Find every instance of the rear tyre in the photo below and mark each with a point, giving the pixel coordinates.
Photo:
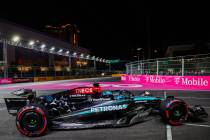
(32, 120)
(174, 111)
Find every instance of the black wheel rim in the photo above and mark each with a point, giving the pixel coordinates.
(177, 113)
(32, 121)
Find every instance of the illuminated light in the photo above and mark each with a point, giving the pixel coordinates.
(93, 57)
(79, 62)
(88, 56)
(74, 53)
(31, 42)
(16, 38)
(23, 68)
(52, 49)
(58, 68)
(84, 63)
(82, 55)
(44, 68)
(67, 52)
(138, 49)
(101, 60)
(155, 51)
(68, 69)
(60, 50)
(97, 59)
(74, 39)
(43, 46)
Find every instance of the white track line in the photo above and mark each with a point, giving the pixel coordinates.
(47, 82)
(200, 125)
(168, 132)
(168, 127)
(206, 107)
(193, 98)
(2, 108)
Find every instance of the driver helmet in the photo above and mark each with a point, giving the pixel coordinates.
(96, 84)
(147, 93)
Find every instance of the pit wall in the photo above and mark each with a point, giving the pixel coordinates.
(169, 82)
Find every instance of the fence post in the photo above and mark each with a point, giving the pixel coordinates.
(127, 69)
(21, 72)
(34, 71)
(131, 69)
(182, 66)
(141, 69)
(5, 58)
(94, 64)
(157, 68)
(69, 65)
(138, 67)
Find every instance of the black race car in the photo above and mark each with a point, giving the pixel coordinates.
(90, 107)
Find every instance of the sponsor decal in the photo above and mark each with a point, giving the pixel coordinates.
(109, 108)
(101, 99)
(77, 95)
(134, 78)
(155, 79)
(84, 90)
(6, 81)
(169, 82)
(140, 101)
(123, 78)
(192, 81)
(20, 80)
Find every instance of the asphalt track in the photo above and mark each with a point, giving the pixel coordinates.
(153, 129)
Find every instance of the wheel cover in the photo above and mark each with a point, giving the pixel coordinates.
(31, 121)
(176, 113)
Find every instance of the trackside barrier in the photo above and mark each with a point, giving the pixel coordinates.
(6, 81)
(117, 75)
(169, 82)
(36, 79)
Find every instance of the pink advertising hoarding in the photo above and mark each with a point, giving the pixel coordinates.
(5, 80)
(170, 82)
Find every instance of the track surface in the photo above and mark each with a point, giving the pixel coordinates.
(154, 129)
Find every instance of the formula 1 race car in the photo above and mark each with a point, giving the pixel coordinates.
(90, 107)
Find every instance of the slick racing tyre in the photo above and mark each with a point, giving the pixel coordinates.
(174, 111)
(32, 120)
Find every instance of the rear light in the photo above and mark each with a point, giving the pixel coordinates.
(97, 89)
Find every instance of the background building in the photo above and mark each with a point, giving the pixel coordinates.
(27, 52)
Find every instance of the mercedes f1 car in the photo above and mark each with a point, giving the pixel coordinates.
(90, 107)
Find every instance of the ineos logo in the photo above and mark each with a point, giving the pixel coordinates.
(84, 90)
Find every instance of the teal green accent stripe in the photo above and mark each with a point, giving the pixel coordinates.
(84, 112)
(145, 98)
(88, 111)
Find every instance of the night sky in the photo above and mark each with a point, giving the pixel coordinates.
(113, 30)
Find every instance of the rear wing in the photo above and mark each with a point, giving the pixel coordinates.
(19, 99)
(14, 104)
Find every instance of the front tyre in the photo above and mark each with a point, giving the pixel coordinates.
(174, 111)
(32, 120)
